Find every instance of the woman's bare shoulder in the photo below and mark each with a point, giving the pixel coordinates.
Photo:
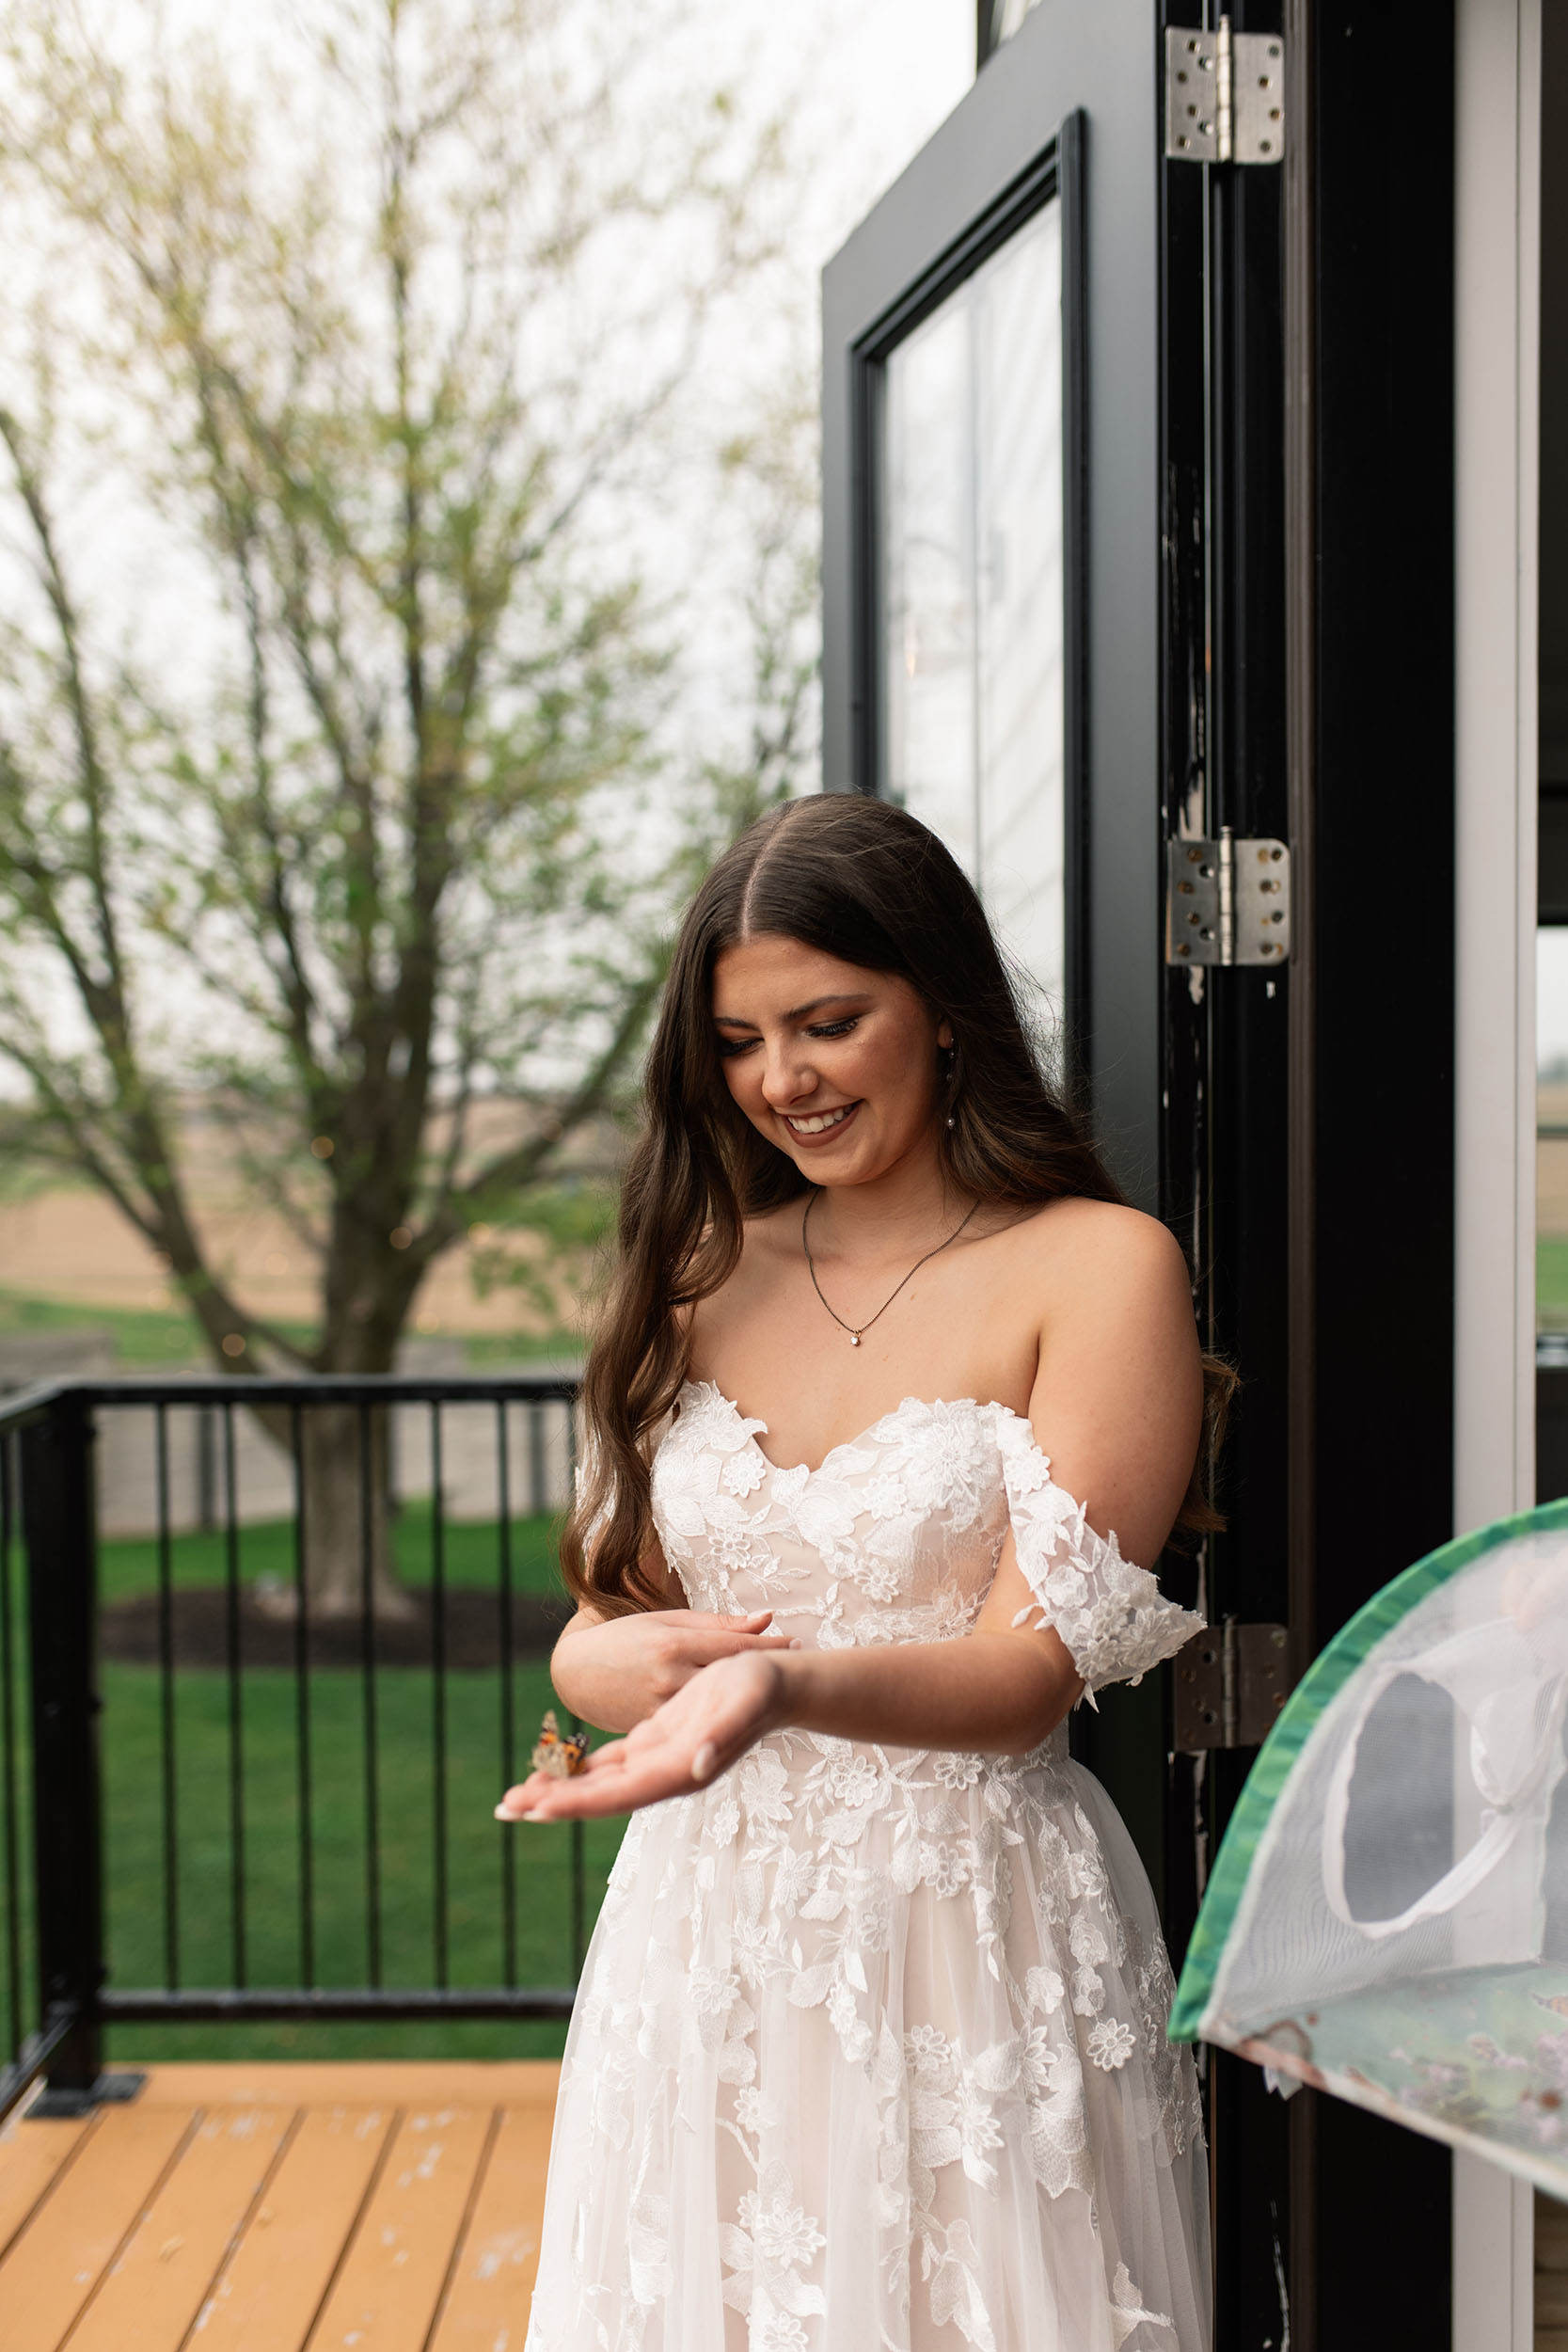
(1099, 1243)
(1098, 1281)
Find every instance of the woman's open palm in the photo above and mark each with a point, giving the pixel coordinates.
(708, 1724)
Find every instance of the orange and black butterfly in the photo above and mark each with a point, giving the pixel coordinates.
(555, 1755)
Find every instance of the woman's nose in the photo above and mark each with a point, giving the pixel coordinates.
(787, 1077)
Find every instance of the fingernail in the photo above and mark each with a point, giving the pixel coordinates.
(797, 1644)
(703, 1762)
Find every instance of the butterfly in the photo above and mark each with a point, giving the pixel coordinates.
(560, 1758)
(1556, 2002)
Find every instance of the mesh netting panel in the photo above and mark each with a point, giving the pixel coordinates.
(1390, 1915)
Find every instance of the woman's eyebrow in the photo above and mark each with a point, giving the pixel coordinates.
(796, 1012)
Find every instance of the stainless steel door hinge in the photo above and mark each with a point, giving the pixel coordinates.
(1227, 901)
(1224, 95)
(1230, 1684)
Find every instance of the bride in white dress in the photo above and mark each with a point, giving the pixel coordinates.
(891, 1397)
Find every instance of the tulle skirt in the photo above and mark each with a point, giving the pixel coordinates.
(870, 2052)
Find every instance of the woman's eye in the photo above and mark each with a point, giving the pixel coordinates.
(730, 1046)
(834, 1028)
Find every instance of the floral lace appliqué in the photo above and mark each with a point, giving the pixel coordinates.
(1113, 1617)
(868, 2038)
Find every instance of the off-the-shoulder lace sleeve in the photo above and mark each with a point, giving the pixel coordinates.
(1113, 1617)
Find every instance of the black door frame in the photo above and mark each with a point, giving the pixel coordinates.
(1307, 347)
(1369, 488)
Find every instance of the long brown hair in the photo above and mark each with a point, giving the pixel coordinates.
(866, 883)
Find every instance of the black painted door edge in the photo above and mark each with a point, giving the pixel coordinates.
(1307, 464)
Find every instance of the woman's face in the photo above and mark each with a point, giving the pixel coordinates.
(838, 1066)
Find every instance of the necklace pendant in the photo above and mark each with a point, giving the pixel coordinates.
(854, 1339)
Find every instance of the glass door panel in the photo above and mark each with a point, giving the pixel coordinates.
(974, 587)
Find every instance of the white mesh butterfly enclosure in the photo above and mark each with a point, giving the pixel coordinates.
(1388, 1916)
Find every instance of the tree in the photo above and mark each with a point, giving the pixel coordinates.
(391, 337)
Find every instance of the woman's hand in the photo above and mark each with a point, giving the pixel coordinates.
(616, 1672)
(708, 1724)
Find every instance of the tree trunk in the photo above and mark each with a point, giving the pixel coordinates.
(346, 1512)
(348, 1475)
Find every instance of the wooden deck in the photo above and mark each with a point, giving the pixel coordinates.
(270, 2208)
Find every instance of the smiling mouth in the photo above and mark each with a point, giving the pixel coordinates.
(822, 1123)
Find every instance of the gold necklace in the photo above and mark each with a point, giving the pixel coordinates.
(856, 1333)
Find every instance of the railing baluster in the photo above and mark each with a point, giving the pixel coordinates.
(367, 1666)
(537, 1498)
(59, 1527)
(303, 1798)
(438, 1692)
(206, 1470)
(7, 1739)
(168, 1767)
(236, 1698)
(508, 1723)
(578, 1895)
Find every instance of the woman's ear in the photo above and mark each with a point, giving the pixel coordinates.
(945, 1035)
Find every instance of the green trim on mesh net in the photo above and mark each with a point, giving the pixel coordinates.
(1307, 1704)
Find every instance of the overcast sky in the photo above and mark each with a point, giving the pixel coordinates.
(895, 69)
(879, 73)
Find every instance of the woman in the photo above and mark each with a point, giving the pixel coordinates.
(869, 2050)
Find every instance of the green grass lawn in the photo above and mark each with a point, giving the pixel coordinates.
(274, 1867)
(274, 1864)
(129, 1564)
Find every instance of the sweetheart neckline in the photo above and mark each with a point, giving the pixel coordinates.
(750, 1424)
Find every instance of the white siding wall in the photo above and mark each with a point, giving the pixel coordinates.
(1497, 209)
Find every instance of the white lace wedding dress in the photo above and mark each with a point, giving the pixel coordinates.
(869, 2054)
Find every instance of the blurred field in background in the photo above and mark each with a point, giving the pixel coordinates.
(70, 1261)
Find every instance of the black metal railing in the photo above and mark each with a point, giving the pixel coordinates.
(278, 1808)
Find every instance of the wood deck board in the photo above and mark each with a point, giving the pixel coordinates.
(268, 2295)
(385, 2296)
(492, 2281)
(355, 2083)
(31, 2162)
(55, 2263)
(158, 2281)
(268, 2208)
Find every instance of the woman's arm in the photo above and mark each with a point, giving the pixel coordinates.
(1119, 1395)
(616, 1671)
